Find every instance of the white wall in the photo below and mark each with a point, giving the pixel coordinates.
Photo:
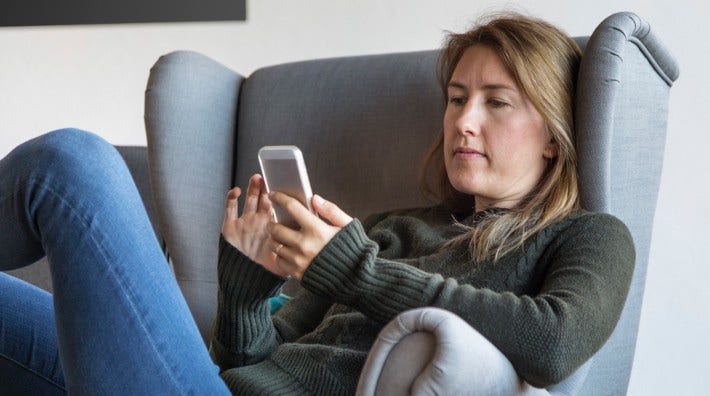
(93, 77)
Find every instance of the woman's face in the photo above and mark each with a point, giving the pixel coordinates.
(496, 146)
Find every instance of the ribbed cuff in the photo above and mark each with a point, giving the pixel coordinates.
(243, 280)
(243, 308)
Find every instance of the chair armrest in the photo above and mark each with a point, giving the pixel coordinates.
(432, 351)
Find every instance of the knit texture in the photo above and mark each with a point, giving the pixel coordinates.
(548, 306)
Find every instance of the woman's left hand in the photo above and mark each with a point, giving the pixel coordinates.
(296, 249)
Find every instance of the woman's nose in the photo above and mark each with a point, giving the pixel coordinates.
(469, 120)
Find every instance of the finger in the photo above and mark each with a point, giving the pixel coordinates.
(281, 265)
(285, 257)
(280, 250)
(252, 201)
(275, 246)
(231, 203)
(265, 205)
(330, 212)
(282, 234)
(294, 207)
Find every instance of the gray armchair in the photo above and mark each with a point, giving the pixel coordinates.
(361, 123)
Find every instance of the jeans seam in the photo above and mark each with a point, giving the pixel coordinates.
(32, 371)
(129, 296)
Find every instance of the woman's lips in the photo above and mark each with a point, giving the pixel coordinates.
(467, 153)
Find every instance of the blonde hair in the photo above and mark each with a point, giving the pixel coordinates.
(544, 62)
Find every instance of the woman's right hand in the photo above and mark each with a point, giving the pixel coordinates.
(248, 232)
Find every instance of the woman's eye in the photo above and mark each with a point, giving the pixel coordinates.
(497, 103)
(457, 100)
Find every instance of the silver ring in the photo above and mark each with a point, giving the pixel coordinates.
(276, 251)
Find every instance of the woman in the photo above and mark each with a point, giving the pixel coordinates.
(507, 250)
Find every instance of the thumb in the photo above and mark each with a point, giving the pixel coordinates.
(330, 212)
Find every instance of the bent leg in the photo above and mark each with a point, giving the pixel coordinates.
(123, 326)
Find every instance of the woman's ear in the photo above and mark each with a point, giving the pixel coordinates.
(551, 150)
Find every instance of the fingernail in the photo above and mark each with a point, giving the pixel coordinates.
(319, 200)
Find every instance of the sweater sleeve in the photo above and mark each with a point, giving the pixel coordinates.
(545, 336)
(243, 332)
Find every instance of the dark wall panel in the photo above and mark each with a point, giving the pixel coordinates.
(80, 12)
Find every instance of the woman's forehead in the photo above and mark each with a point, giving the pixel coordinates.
(481, 67)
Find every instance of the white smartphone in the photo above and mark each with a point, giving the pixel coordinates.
(284, 170)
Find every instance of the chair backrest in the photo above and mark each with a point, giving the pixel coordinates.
(363, 124)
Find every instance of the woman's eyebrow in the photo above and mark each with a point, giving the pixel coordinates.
(485, 87)
(495, 87)
(456, 84)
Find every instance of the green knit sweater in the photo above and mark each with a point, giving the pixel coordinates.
(547, 306)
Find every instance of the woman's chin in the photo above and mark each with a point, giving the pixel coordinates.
(467, 188)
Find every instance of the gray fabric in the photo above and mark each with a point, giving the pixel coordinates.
(407, 359)
(362, 123)
(137, 161)
(190, 116)
(136, 158)
(574, 383)
(37, 274)
(622, 107)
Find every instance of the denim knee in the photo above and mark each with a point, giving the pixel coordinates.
(70, 154)
(76, 148)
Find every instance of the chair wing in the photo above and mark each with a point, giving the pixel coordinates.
(621, 115)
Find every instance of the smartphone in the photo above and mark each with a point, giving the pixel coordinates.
(284, 170)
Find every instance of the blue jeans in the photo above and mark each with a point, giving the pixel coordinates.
(117, 322)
